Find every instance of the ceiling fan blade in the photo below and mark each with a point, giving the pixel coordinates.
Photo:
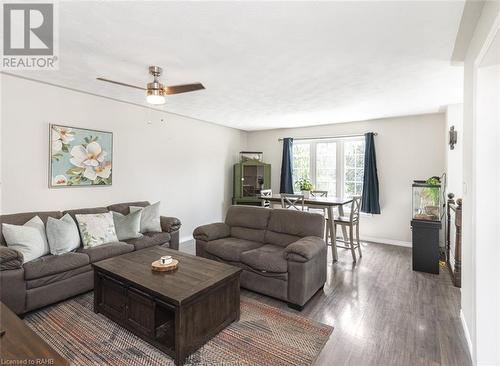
(120, 83)
(176, 89)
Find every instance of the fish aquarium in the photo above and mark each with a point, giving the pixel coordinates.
(427, 201)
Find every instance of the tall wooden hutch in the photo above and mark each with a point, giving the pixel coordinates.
(251, 175)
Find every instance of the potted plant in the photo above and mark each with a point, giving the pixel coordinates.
(305, 186)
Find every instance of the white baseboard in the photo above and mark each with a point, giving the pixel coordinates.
(400, 243)
(467, 334)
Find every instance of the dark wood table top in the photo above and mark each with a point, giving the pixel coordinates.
(320, 201)
(194, 274)
(20, 343)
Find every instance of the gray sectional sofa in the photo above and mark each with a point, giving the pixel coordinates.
(282, 252)
(52, 278)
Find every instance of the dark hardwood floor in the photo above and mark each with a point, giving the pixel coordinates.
(383, 312)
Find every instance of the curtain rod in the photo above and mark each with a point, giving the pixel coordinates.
(328, 137)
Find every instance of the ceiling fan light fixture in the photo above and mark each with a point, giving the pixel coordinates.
(155, 97)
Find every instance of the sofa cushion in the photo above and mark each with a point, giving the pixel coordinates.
(149, 240)
(247, 216)
(230, 249)
(30, 239)
(107, 250)
(96, 229)
(248, 234)
(51, 264)
(127, 226)
(22, 218)
(267, 258)
(297, 223)
(62, 234)
(56, 277)
(124, 208)
(280, 239)
(158, 238)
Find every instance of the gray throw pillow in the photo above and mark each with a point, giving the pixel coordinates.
(29, 239)
(129, 226)
(62, 234)
(150, 218)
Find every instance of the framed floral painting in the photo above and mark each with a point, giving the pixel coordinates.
(80, 157)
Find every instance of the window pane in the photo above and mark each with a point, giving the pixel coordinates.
(301, 162)
(354, 160)
(326, 167)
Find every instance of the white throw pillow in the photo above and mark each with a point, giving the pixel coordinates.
(96, 229)
(29, 239)
(150, 218)
(62, 235)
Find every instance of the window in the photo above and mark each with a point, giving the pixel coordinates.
(354, 162)
(335, 166)
(326, 167)
(301, 161)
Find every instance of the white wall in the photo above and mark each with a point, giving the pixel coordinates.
(473, 299)
(454, 158)
(184, 163)
(454, 165)
(407, 148)
(487, 162)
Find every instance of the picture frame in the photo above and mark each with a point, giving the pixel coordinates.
(79, 157)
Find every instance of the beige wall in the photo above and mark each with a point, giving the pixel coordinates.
(184, 163)
(407, 148)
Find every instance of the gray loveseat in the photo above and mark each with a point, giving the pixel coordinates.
(282, 252)
(52, 278)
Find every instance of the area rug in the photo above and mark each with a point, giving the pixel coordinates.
(264, 336)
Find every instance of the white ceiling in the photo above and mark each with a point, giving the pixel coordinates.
(267, 64)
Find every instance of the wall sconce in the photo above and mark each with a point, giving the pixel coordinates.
(452, 137)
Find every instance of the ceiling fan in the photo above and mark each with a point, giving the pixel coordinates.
(156, 91)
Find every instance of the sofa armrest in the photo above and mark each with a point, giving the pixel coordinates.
(304, 249)
(170, 224)
(10, 258)
(210, 232)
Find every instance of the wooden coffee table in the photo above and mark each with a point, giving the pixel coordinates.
(175, 311)
(19, 345)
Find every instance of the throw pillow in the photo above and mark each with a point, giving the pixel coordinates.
(127, 226)
(29, 239)
(150, 218)
(62, 234)
(96, 229)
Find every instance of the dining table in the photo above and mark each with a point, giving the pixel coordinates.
(325, 203)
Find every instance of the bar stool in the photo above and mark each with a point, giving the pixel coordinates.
(266, 193)
(351, 221)
(292, 201)
(322, 211)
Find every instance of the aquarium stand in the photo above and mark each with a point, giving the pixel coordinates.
(425, 245)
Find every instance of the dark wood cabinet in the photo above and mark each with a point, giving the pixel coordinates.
(425, 246)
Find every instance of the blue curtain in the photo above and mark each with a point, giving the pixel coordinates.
(370, 201)
(286, 184)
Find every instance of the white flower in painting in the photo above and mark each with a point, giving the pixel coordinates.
(60, 136)
(91, 156)
(103, 170)
(59, 180)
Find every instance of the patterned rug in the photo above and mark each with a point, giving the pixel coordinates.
(263, 336)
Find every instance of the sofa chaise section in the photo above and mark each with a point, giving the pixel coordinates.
(282, 252)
